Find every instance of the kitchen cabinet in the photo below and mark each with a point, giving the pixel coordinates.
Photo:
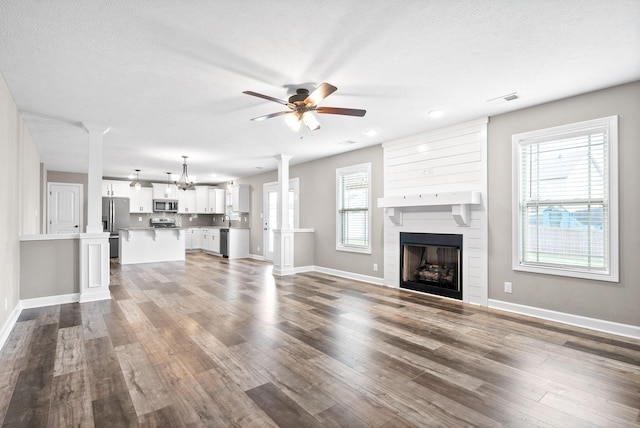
(115, 188)
(160, 191)
(211, 240)
(188, 239)
(238, 245)
(196, 238)
(209, 200)
(193, 239)
(240, 198)
(186, 201)
(141, 200)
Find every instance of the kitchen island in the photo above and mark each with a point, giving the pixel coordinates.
(151, 245)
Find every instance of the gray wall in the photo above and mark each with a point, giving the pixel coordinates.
(617, 302)
(318, 209)
(49, 268)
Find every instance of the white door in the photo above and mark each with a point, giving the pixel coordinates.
(64, 208)
(270, 212)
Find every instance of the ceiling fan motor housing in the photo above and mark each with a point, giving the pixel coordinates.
(300, 96)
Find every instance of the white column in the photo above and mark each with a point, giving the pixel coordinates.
(283, 233)
(94, 244)
(94, 178)
(94, 267)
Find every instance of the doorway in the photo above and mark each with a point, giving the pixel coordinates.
(64, 208)
(270, 212)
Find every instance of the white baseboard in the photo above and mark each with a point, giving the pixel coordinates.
(349, 275)
(94, 297)
(256, 257)
(61, 299)
(576, 320)
(8, 325)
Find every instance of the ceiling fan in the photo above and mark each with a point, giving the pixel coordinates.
(302, 104)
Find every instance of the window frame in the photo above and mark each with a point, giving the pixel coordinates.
(611, 271)
(340, 172)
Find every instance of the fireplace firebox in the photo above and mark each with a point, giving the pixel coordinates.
(431, 263)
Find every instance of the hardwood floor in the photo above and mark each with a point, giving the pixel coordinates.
(212, 342)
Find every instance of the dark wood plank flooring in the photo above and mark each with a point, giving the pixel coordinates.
(212, 342)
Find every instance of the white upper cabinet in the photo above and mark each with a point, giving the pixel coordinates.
(115, 188)
(141, 200)
(165, 191)
(217, 200)
(186, 201)
(240, 198)
(209, 200)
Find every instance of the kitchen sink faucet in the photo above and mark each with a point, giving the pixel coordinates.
(228, 220)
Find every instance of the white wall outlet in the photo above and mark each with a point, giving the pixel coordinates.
(375, 267)
(258, 248)
(507, 287)
(6, 303)
(190, 218)
(260, 215)
(139, 218)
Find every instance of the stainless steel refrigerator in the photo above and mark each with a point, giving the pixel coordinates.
(115, 216)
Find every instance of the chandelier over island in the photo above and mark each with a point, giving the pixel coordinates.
(184, 182)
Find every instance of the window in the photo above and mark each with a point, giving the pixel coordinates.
(565, 200)
(353, 199)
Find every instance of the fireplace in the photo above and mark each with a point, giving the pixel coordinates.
(431, 263)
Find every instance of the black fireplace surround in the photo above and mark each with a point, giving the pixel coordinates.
(431, 263)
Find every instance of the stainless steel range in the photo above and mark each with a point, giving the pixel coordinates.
(161, 222)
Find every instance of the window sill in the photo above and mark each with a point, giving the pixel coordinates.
(353, 249)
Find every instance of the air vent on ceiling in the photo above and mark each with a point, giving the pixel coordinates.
(504, 98)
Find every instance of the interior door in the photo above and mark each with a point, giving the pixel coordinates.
(64, 208)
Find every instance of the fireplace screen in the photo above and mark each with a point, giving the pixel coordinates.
(431, 263)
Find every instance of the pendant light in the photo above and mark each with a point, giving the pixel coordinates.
(167, 191)
(137, 185)
(184, 182)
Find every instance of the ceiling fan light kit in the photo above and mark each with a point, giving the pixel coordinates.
(302, 105)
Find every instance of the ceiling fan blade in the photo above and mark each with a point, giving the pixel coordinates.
(343, 111)
(321, 92)
(269, 116)
(266, 97)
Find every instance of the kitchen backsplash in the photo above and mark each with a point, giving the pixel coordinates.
(185, 220)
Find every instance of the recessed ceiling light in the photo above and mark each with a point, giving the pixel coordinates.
(371, 132)
(258, 167)
(435, 114)
(346, 142)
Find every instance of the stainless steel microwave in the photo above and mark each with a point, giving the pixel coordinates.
(163, 205)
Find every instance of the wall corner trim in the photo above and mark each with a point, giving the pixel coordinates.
(5, 331)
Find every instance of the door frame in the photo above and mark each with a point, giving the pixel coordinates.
(79, 208)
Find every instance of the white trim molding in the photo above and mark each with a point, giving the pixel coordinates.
(9, 324)
(619, 329)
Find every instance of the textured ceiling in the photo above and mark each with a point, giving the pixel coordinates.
(167, 77)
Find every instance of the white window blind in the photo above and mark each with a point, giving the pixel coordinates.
(563, 190)
(353, 199)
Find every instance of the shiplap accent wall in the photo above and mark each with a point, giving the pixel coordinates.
(447, 160)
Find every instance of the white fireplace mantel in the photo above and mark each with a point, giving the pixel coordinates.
(458, 201)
